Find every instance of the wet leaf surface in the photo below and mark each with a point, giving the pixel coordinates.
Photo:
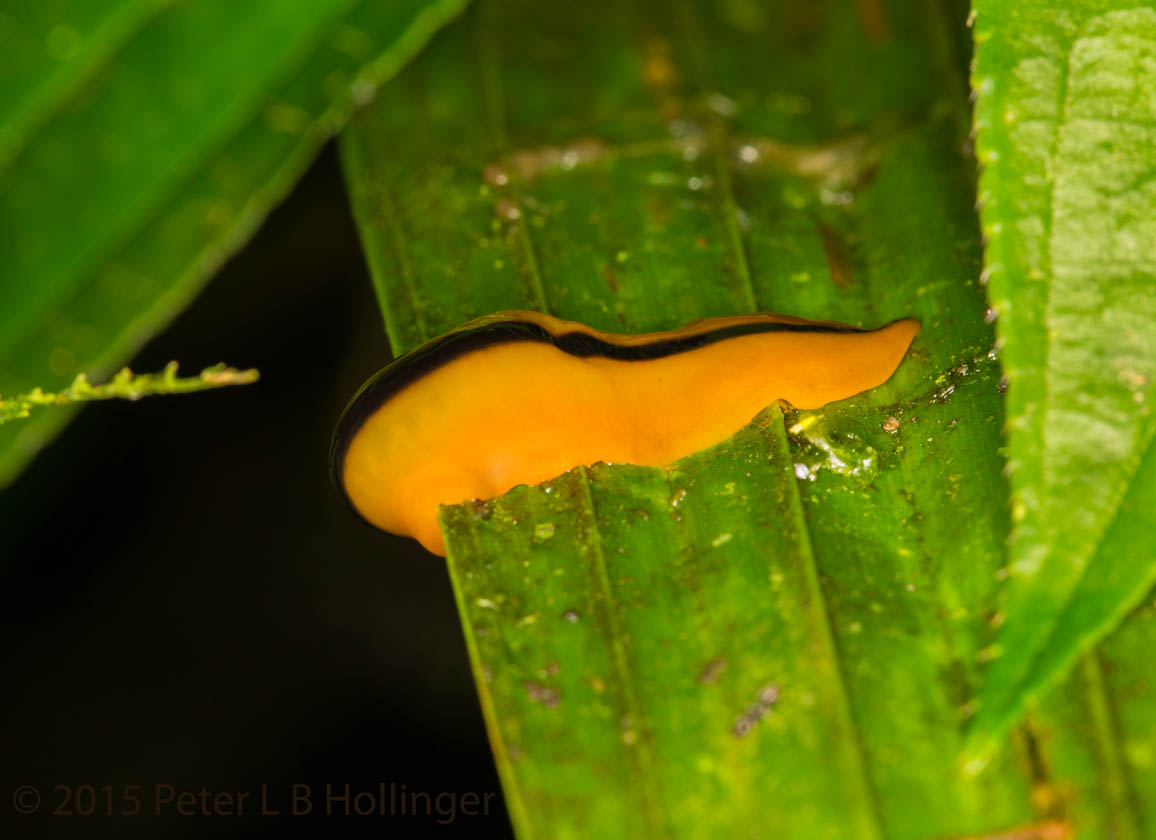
(779, 636)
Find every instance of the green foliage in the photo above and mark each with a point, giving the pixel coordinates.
(779, 636)
(782, 635)
(125, 385)
(141, 142)
(1066, 124)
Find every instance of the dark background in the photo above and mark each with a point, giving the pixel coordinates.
(186, 601)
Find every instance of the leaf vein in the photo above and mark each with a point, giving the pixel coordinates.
(861, 781)
(641, 750)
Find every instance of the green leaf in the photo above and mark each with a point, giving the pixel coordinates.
(1095, 730)
(776, 637)
(142, 142)
(1066, 133)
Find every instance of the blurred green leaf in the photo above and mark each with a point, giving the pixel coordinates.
(1066, 133)
(142, 142)
(776, 638)
(51, 49)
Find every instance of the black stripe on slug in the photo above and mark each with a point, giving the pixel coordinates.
(412, 366)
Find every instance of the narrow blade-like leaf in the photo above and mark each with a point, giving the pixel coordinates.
(775, 637)
(1066, 125)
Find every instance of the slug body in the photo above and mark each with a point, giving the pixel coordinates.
(520, 397)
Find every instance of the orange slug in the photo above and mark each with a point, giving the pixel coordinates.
(520, 397)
